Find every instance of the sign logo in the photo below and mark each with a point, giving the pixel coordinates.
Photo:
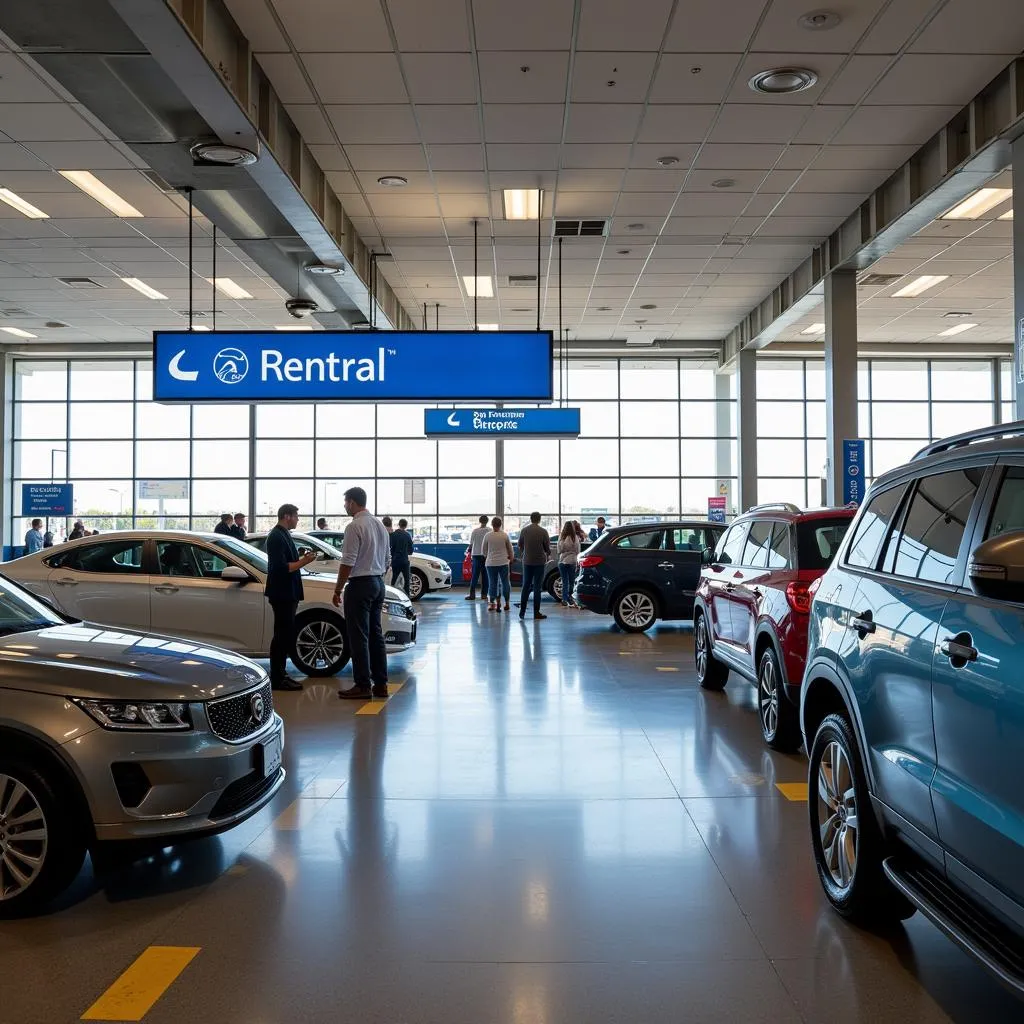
(257, 707)
(175, 370)
(230, 365)
(853, 469)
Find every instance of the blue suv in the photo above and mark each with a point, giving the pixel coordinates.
(912, 705)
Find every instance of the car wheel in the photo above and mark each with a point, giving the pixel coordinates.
(553, 585)
(418, 585)
(321, 645)
(846, 840)
(780, 725)
(711, 673)
(42, 844)
(635, 610)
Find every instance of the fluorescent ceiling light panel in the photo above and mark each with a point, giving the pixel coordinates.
(293, 327)
(482, 286)
(814, 329)
(199, 327)
(92, 186)
(18, 332)
(952, 332)
(143, 288)
(488, 327)
(978, 204)
(1008, 215)
(19, 204)
(230, 288)
(521, 203)
(919, 285)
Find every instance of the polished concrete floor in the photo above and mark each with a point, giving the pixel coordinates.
(549, 823)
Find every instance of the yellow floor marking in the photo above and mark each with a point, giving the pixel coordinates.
(796, 791)
(375, 707)
(297, 814)
(134, 994)
(665, 668)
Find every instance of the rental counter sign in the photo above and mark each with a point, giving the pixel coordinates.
(352, 366)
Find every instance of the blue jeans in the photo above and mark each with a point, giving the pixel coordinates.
(533, 582)
(479, 573)
(568, 574)
(497, 582)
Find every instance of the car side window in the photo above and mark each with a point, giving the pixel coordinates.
(123, 557)
(755, 552)
(780, 552)
(872, 528)
(730, 547)
(929, 542)
(211, 565)
(188, 560)
(1008, 514)
(649, 540)
(690, 538)
(260, 543)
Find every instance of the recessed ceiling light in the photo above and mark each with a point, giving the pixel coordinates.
(488, 327)
(521, 203)
(18, 332)
(814, 329)
(220, 153)
(724, 183)
(229, 288)
(19, 204)
(919, 285)
(143, 288)
(639, 321)
(482, 286)
(1007, 216)
(782, 81)
(955, 315)
(604, 309)
(648, 305)
(952, 332)
(623, 252)
(818, 21)
(323, 268)
(293, 327)
(92, 186)
(978, 204)
(392, 181)
(668, 161)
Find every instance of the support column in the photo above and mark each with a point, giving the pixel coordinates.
(1018, 283)
(724, 468)
(840, 374)
(746, 427)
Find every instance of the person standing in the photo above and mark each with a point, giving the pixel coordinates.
(284, 592)
(498, 555)
(321, 523)
(476, 553)
(581, 536)
(34, 537)
(237, 528)
(365, 558)
(401, 553)
(535, 548)
(596, 531)
(225, 524)
(78, 531)
(568, 555)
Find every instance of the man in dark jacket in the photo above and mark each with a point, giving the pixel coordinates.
(78, 532)
(225, 524)
(401, 549)
(237, 528)
(535, 549)
(284, 592)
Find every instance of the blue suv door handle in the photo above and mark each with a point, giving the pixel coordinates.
(863, 624)
(959, 649)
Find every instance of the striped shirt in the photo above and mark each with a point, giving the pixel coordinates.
(367, 546)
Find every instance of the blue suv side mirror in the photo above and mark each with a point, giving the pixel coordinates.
(996, 568)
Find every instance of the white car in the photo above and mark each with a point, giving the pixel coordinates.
(427, 573)
(202, 586)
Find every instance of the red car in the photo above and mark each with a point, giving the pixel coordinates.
(752, 607)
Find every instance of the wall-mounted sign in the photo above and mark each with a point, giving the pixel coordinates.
(352, 366)
(853, 472)
(716, 509)
(492, 423)
(414, 492)
(47, 499)
(153, 490)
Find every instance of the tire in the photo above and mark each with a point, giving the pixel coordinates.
(553, 585)
(635, 609)
(38, 820)
(321, 645)
(780, 723)
(418, 585)
(712, 674)
(846, 840)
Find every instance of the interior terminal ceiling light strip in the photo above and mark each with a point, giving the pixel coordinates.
(952, 332)
(482, 286)
(18, 332)
(814, 329)
(22, 206)
(978, 204)
(230, 288)
(143, 288)
(92, 186)
(521, 203)
(920, 285)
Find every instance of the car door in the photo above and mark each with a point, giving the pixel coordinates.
(721, 581)
(104, 582)
(686, 547)
(641, 558)
(747, 582)
(189, 599)
(894, 626)
(978, 701)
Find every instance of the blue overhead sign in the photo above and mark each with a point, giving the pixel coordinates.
(502, 422)
(352, 366)
(47, 499)
(853, 472)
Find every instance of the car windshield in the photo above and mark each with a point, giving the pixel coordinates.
(21, 612)
(246, 552)
(316, 543)
(817, 541)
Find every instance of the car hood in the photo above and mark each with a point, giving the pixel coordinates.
(85, 660)
(320, 587)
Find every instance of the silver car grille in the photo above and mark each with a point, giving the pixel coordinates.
(238, 717)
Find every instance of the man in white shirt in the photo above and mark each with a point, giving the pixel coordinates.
(365, 558)
(476, 552)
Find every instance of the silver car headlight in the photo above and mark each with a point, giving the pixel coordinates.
(130, 714)
(394, 608)
(435, 565)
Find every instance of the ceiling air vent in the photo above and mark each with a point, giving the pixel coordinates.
(581, 228)
(522, 280)
(197, 314)
(80, 282)
(878, 280)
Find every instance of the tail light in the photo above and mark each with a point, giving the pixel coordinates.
(799, 596)
(589, 561)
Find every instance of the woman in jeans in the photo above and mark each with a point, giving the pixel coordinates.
(568, 554)
(497, 550)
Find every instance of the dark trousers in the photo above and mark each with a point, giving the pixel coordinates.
(364, 602)
(479, 573)
(533, 582)
(400, 571)
(283, 638)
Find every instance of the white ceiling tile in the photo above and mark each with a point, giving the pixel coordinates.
(536, 25)
(354, 205)
(523, 122)
(466, 207)
(258, 24)
(439, 26)
(286, 77)
(502, 79)
(751, 122)
(603, 122)
(612, 25)
(326, 26)
(752, 157)
(584, 155)
(450, 124)
(973, 27)
(821, 124)
(513, 157)
(655, 179)
(703, 26)
(647, 154)
(851, 84)
(457, 158)
(359, 78)
(810, 204)
(387, 159)
(330, 158)
(44, 122)
(612, 77)
(311, 123)
(591, 180)
(894, 125)
(584, 204)
(676, 122)
(679, 81)
(780, 30)
(711, 204)
(460, 182)
(18, 159)
(812, 228)
(19, 83)
(393, 204)
(932, 78)
(377, 123)
(644, 204)
(93, 156)
(863, 157)
(440, 77)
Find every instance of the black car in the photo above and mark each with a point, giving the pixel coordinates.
(645, 571)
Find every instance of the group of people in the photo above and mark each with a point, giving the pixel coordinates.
(232, 525)
(492, 556)
(36, 538)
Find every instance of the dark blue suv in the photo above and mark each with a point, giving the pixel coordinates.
(913, 700)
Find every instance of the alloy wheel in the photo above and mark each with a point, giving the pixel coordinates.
(702, 648)
(320, 644)
(837, 815)
(415, 585)
(23, 837)
(637, 610)
(768, 686)
(556, 588)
